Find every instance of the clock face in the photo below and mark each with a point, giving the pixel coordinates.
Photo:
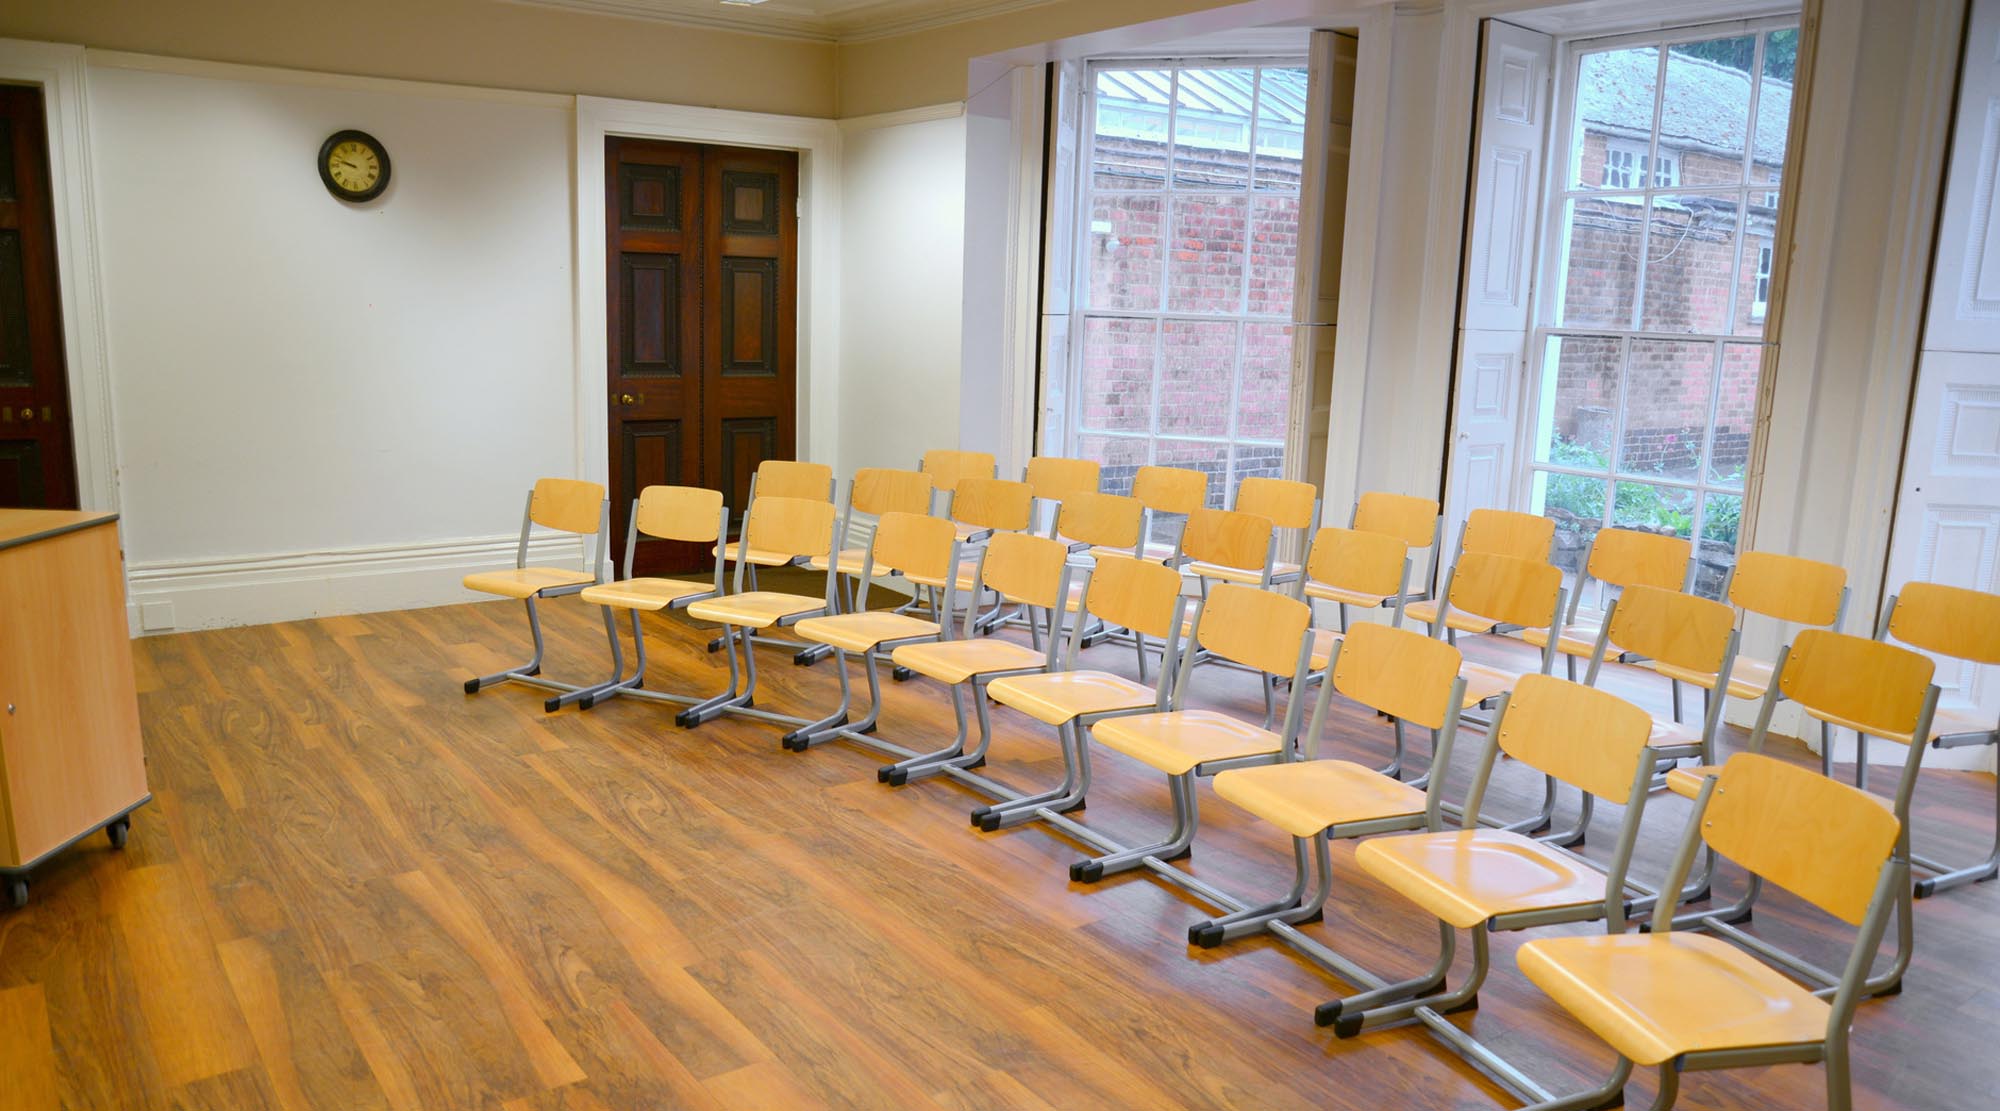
(353, 166)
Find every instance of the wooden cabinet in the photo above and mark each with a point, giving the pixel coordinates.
(70, 757)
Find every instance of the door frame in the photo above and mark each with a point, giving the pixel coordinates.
(818, 145)
(59, 71)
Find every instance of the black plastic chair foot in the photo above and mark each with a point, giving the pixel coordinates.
(535, 670)
(550, 706)
(1471, 1004)
(1926, 888)
(987, 823)
(1326, 1014)
(1348, 1026)
(1893, 989)
(1072, 807)
(715, 645)
(901, 674)
(1086, 871)
(1207, 935)
(685, 719)
(869, 729)
(472, 686)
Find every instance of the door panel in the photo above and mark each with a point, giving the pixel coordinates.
(750, 290)
(37, 461)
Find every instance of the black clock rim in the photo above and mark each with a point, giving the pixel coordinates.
(326, 175)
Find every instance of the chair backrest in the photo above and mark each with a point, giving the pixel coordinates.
(916, 544)
(1789, 588)
(1506, 589)
(790, 526)
(1252, 627)
(1949, 620)
(879, 490)
(1817, 838)
(1413, 519)
(993, 503)
(1101, 520)
(946, 468)
(1878, 686)
(1402, 673)
(1171, 489)
(790, 478)
(690, 513)
(1134, 593)
(1058, 479)
(1228, 538)
(1662, 624)
(1627, 557)
(1025, 568)
(1585, 737)
(1364, 562)
(1505, 532)
(1287, 503)
(567, 505)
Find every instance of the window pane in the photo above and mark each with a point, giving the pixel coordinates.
(1130, 151)
(1212, 128)
(1206, 272)
(1715, 553)
(1735, 413)
(1197, 358)
(1662, 509)
(1614, 100)
(1753, 276)
(1690, 263)
(1774, 103)
(1127, 252)
(1281, 129)
(1264, 400)
(1116, 391)
(1259, 460)
(1705, 114)
(1601, 266)
(1122, 456)
(1577, 505)
(1274, 254)
(1580, 402)
(1666, 408)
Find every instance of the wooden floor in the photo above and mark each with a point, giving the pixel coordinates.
(359, 888)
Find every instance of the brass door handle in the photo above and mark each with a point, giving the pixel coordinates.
(631, 399)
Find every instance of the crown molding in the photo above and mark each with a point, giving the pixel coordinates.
(880, 19)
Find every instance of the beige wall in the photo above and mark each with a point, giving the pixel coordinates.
(463, 42)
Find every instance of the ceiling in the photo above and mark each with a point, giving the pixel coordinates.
(820, 20)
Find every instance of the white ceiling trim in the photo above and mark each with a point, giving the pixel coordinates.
(854, 22)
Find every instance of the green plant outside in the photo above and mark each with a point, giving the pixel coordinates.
(1638, 505)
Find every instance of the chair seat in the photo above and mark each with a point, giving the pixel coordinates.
(955, 661)
(1748, 677)
(644, 594)
(1668, 735)
(1159, 553)
(851, 561)
(1280, 572)
(1483, 682)
(1426, 611)
(1326, 593)
(1322, 649)
(1423, 609)
(859, 632)
(1576, 640)
(1304, 798)
(525, 582)
(1465, 877)
(1954, 722)
(1686, 781)
(1653, 997)
(758, 556)
(758, 609)
(1058, 697)
(1177, 743)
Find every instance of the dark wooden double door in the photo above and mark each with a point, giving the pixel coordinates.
(702, 301)
(37, 458)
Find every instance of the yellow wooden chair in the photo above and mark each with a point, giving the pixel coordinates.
(1483, 880)
(795, 529)
(1618, 558)
(1788, 589)
(1288, 505)
(689, 514)
(981, 507)
(1494, 532)
(777, 478)
(1485, 593)
(1413, 520)
(1099, 522)
(1172, 492)
(946, 468)
(1233, 542)
(1687, 1002)
(873, 491)
(1139, 595)
(924, 550)
(565, 505)
(1252, 628)
(1874, 688)
(1350, 567)
(1056, 479)
(1397, 672)
(1963, 625)
(1026, 570)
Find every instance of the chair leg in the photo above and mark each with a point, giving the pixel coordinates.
(532, 667)
(1670, 1086)
(928, 763)
(1675, 686)
(1609, 1094)
(1826, 749)
(1390, 1004)
(1312, 863)
(1069, 796)
(745, 696)
(1573, 836)
(637, 680)
(1861, 760)
(1394, 768)
(1358, 1004)
(587, 694)
(808, 736)
(1949, 878)
(798, 739)
(1178, 845)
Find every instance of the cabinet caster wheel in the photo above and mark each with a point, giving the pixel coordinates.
(17, 893)
(119, 832)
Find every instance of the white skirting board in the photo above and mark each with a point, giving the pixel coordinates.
(254, 590)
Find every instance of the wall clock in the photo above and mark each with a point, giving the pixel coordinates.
(353, 166)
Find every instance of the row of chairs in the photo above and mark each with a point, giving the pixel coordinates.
(1247, 627)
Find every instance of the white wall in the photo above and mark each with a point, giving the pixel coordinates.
(902, 224)
(322, 407)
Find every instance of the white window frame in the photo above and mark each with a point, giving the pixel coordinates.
(1640, 161)
(1554, 253)
(1074, 428)
(1760, 297)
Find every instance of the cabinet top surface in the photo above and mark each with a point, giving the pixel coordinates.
(24, 526)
